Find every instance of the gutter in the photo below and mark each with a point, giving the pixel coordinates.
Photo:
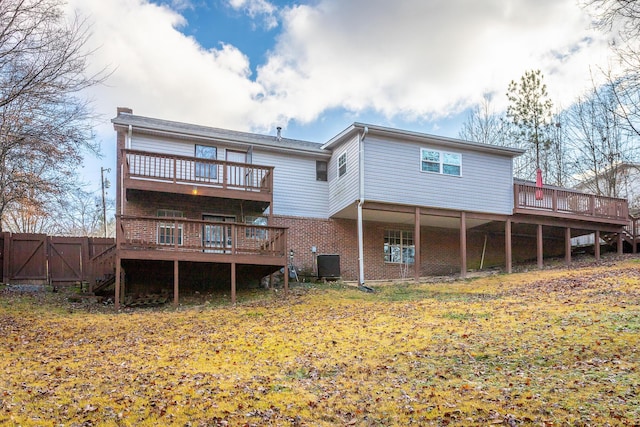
(360, 203)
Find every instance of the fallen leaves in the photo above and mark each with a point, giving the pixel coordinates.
(544, 348)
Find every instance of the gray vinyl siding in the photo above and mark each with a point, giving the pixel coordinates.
(296, 192)
(162, 145)
(178, 147)
(393, 175)
(344, 190)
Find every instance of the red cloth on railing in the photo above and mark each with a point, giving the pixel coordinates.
(539, 194)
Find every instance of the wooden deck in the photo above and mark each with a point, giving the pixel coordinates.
(194, 240)
(569, 204)
(148, 171)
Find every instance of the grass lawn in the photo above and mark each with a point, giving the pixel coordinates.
(547, 348)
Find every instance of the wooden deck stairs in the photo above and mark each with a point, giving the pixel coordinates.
(104, 269)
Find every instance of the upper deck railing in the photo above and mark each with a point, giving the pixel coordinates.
(177, 169)
(568, 203)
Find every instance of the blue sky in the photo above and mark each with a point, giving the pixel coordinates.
(314, 67)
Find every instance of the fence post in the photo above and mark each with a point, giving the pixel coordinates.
(6, 257)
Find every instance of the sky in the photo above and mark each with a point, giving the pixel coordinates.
(314, 67)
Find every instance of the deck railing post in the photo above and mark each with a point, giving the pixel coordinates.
(175, 234)
(516, 196)
(593, 205)
(234, 239)
(554, 200)
(175, 170)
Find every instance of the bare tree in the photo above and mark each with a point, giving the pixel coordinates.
(80, 214)
(601, 144)
(484, 125)
(621, 18)
(45, 125)
(557, 158)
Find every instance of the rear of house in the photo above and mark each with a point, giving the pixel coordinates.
(201, 207)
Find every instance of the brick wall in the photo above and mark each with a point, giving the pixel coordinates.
(440, 247)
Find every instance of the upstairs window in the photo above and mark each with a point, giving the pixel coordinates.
(342, 164)
(321, 170)
(441, 162)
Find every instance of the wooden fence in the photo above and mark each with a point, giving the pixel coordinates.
(42, 259)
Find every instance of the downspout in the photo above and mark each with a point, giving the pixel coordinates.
(360, 203)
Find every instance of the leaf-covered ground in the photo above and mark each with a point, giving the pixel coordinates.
(549, 348)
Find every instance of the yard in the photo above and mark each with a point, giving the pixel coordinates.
(545, 348)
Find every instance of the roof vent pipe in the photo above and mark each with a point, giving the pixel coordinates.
(279, 134)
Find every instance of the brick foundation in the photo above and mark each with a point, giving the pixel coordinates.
(440, 248)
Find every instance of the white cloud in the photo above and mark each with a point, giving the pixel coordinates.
(410, 59)
(424, 59)
(258, 8)
(161, 72)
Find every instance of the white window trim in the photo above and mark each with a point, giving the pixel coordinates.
(401, 246)
(441, 161)
(344, 154)
(163, 226)
(169, 224)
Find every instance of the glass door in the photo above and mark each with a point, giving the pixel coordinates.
(206, 171)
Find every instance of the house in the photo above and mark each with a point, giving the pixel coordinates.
(200, 207)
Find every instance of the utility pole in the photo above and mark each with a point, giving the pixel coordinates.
(105, 184)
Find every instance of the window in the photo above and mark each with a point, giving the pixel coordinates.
(206, 171)
(167, 230)
(399, 247)
(342, 164)
(321, 170)
(451, 163)
(256, 232)
(440, 162)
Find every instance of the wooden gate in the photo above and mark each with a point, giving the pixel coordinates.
(68, 257)
(28, 257)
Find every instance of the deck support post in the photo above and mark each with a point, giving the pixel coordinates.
(508, 254)
(416, 241)
(233, 283)
(176, 281)
(620, 242)
(539, 247)
(567, 245)
(463, 245)
(596, 245)
(116, 297)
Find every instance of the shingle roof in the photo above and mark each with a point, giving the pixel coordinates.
(149, 124)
